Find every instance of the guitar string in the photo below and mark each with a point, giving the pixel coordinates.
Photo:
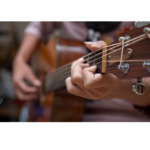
(116, 46)
(66, 73)
(119, 44)
(128, 41)
(69, 73)
(103, 51)
(61, 77)
(117, 49)
(104, 55)
(92, 57)
(61, 83)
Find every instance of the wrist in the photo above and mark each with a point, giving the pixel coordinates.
(18, 61)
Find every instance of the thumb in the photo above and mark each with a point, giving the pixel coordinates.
(93, 46)
(33, 79)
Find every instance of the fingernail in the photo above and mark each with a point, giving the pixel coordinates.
(91, 43)
(80, 59)
(87, 42)
(37, 83)
(94, 45)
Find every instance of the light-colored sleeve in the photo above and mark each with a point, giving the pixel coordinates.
(40, 29)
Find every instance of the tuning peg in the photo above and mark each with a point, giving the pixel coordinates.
(139, 88)
(147, 66)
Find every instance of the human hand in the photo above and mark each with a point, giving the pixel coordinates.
(84, 82)
(22, 72)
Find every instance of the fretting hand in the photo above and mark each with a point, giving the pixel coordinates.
(84, 82)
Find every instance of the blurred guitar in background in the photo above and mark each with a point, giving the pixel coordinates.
(55, 103)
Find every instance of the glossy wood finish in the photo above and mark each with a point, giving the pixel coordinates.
(58, 105)
(67, 107)
(114, 57)
(141, 50)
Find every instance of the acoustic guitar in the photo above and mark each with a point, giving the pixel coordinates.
(128, 57)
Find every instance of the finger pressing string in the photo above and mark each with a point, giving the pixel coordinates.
(66, 67)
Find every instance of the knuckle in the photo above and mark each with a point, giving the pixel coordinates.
(85, 71)
(74, 63)
(66, 81)
(70, 89)
(75, 78)
(87, 84)
(68, 85)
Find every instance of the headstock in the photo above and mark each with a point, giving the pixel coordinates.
(127, 57)
(135, 58)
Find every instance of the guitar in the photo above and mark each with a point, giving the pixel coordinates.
(126, 58)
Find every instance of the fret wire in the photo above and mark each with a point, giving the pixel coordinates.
(100, 53)
(119, 44)
(117, 49)
(69, 75)
(70, 64)
(56, 72)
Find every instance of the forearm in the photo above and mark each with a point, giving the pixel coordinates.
(126, 92)
(28, 46)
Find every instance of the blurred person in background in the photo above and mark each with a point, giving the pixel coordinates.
(119, 107)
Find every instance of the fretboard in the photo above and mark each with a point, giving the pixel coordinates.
(56, 80)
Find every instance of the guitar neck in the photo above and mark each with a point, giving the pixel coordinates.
(136, 52)
(56, 80)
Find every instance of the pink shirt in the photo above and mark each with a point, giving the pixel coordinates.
(100, 110)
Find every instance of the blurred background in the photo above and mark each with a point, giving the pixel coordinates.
(11, 34)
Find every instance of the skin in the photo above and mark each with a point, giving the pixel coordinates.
(22, 71)
(84, 82)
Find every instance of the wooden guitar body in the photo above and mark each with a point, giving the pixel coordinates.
(58, 105)
(125, 59)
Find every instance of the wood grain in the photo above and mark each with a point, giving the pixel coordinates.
(141, 50)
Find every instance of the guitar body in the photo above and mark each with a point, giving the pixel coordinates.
(58, 105)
